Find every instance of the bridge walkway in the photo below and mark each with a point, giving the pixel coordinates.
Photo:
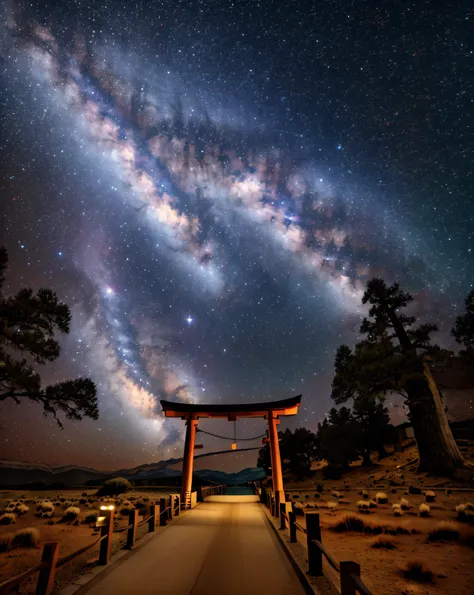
(215, 549)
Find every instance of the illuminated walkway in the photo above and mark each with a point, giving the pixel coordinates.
(215, 549)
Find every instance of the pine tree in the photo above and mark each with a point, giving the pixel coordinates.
(339, 438)
(392, 358)
(463, 330)
(28, 324)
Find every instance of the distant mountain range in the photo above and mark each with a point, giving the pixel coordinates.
(18, 474)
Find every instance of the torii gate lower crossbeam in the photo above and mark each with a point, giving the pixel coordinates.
(271, 411)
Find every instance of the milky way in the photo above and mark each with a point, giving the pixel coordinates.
(211, 247)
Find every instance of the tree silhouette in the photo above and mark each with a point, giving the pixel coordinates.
(339, 437)
(298, 450)
(375, 429)
(393, 357)
(28, 324)
(463, 329)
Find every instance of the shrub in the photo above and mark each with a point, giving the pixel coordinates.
(46, 506)
(416, 570)
(91, 518)
(405, 504)
(82, 501)
(84, 494)
(396, 510)
(364, 494)
(320, 488)
(430, 496)
(373, 504)
(46, 515)
(9, 518)
(384, 543)
(295, 496)
(424, 510)
(21, 509)
(337, 495)
(414, 490)
(115, 486)
(71, 513)
(444, 531)
(381, 498)
(332, 505)
(28, 537)
(11, 506)
(6, 542)
(62, 499)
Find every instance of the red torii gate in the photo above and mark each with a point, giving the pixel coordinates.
(193, 412)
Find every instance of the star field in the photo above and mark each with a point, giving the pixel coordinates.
(209, 185)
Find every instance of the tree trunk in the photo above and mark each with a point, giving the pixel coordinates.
(438, 451)
(382, 452)
(366, 460)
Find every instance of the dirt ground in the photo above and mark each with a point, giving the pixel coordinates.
(452, 563)
(71, 536)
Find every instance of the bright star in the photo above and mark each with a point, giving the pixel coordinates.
(189, 319)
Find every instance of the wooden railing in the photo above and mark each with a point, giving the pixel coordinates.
(349, 572)
(167, 509)
(212, 490)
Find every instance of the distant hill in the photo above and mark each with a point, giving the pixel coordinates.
(18, 474)
(13, 473)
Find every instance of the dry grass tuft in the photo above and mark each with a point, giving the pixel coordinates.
(405, 504)
(444, 531)
(9, 518)
(28, 537)
(381, 498)
(466, 512)
(430, 496)
(363, 506)
(424, 510)
(397, 510)
(418, 571)
(332, 505)
(384, 543)
(21, 509)
(71, 513)
(6, 542)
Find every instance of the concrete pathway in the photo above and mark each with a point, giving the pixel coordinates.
(216, 549)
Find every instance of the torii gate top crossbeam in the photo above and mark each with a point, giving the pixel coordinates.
(231, 412)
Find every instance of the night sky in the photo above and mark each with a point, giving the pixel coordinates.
(209, 185)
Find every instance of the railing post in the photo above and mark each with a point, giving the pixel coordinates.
(152, 521)
(282, 516)
(347, 569)
(163, 512)
(178, 507)
(172, 506)
(315, 555)
(106, 544)
(44, 586)
(292, 517)
(132, 531)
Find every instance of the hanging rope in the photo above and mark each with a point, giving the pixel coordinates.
(229, 438)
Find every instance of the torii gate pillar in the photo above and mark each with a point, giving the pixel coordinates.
(277, 474)
(188, 461)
